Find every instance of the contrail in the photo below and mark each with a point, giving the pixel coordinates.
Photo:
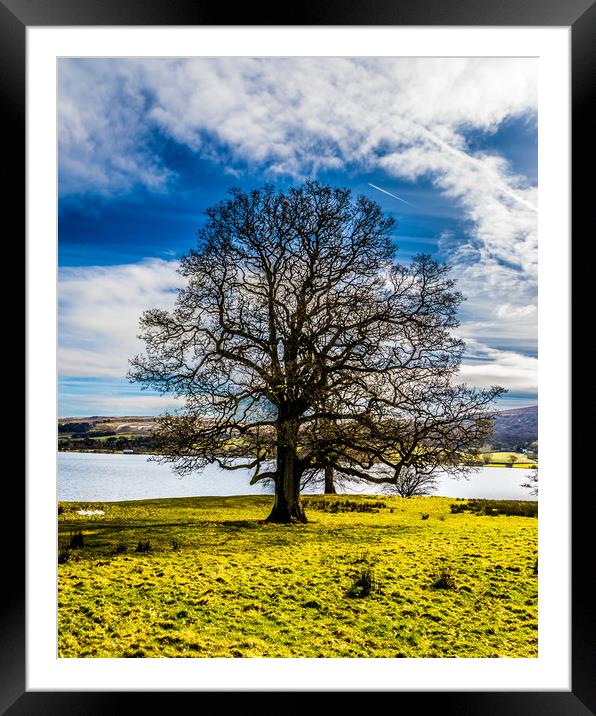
(378, 188)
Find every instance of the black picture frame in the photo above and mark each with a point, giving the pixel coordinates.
(580, 16)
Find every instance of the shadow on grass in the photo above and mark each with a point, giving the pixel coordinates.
(239, 524)
(107, 537)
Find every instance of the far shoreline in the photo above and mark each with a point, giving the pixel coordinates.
(519, 466)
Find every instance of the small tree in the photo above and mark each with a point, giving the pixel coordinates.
(532, 483)
(412, 482)
(299, 345)
(486, 458)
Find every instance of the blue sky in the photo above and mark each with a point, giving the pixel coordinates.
(146, 145)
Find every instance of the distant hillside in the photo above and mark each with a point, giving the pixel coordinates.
(107, 425)
(515, 429)
(99, 433)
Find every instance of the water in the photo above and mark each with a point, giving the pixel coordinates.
(91, 477)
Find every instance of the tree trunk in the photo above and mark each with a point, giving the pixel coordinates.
(287, 507)
(329, 483)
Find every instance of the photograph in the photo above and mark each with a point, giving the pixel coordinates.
(297, 357)
(298, 354)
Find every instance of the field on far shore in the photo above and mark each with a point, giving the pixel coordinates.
(505, 459)
(366, 577)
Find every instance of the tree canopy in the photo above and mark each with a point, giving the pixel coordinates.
(299, 343)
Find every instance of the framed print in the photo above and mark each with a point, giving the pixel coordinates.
(290, 356)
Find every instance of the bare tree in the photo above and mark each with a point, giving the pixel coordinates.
(532, 483)
(412, 482)
(510, 459)
(300, 346)
(412, 428)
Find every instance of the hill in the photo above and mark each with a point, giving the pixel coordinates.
(107, 424)
(100, 433)
(515, 429)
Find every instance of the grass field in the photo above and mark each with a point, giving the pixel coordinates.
(521, 460)
(366, 577)
(99, 438)
(503, 459)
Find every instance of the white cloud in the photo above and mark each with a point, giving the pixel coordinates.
(485, 366)
(87, 403)
(99, 311)
(103, 130)
(507, 310)
(100, 308)
(293, 115)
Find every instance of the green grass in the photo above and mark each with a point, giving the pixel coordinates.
(492, 508)
(501, 459)
(219, 582)
(101, 438)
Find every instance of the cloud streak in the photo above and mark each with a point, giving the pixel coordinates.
(378, 188)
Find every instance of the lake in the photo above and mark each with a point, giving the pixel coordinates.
(93, 477)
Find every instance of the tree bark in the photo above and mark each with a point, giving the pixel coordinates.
(287, 507)
(329, 483)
